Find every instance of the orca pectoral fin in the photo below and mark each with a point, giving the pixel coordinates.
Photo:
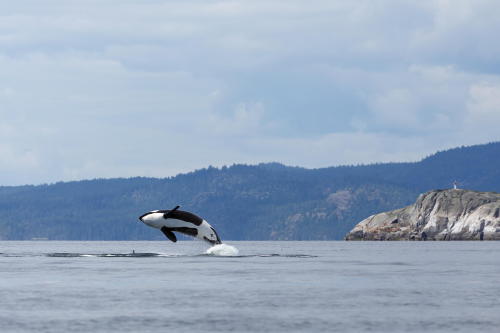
(170, 235)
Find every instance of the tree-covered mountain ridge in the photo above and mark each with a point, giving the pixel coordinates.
(243, 202)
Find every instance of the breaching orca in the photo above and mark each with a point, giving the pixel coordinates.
(177, 220)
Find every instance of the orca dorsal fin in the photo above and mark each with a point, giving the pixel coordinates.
(167, 215)
(170, 235)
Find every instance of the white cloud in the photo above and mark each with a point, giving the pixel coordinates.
(245, 120)
(341, 148)
(483, 107)
(90, 89)
(397, 107)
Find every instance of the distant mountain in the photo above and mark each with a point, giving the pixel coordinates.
(258, 202)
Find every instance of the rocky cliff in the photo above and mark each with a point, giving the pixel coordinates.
(437, 215)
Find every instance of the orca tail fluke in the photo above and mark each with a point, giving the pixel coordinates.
(213, 242)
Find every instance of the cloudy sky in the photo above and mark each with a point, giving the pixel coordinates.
(125, 88)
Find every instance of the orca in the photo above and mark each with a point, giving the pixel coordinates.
(175, 220)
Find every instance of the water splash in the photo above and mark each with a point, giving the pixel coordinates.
(223, 250)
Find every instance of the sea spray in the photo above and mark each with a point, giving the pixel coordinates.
(223, 250)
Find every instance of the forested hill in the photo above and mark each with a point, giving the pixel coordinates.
(266, 201)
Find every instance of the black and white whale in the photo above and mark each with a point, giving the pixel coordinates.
(175, 220)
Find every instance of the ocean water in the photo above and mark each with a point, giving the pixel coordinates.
(267, 287)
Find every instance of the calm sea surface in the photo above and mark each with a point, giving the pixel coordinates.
(271, 286)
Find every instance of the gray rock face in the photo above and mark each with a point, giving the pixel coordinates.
(437, 215)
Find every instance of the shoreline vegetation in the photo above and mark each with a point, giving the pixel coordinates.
(268, 201)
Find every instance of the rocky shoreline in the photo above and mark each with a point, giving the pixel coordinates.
(453, 214)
